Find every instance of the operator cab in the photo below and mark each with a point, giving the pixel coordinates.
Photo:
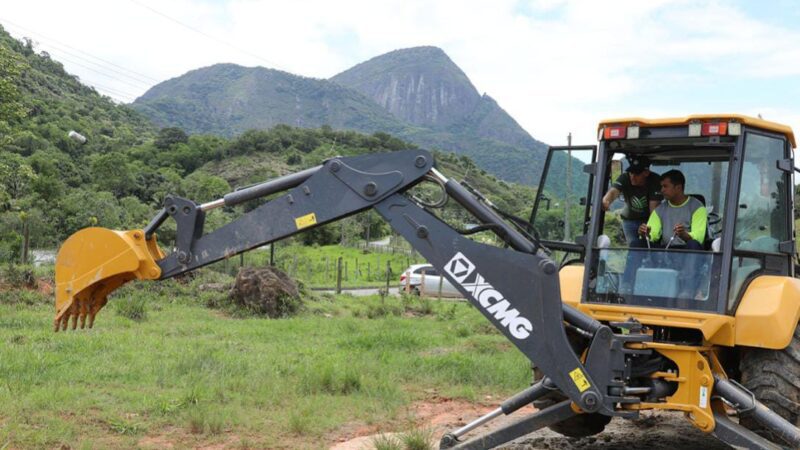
(739, 168)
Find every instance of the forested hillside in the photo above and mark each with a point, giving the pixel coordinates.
(52, 185)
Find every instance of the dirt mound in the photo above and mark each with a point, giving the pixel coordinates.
(265, 291)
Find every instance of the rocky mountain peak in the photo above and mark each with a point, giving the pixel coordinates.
(419, 85)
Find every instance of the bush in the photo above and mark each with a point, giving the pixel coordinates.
(418, 439)
(19, 276)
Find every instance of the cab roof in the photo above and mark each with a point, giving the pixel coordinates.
(747, 120)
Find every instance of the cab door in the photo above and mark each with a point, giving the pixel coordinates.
(561, 210)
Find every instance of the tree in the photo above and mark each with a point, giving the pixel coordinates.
(83, 208)
(201, 187)
(112, 173)
(169, 136)
(15, 175)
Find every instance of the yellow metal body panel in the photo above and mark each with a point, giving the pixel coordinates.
(675, 121)
(717, 329)
(92, 263)
(571, 281)
(768, 312)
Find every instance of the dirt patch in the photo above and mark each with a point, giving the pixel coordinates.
(181, 438)
(265, 291)
(656, 430)
(436, 414)
(44, 287)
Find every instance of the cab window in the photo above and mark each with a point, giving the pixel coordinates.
(761, 219)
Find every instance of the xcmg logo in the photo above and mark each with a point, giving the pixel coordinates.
(463, 270)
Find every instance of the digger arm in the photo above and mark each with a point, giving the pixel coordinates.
(515, 288)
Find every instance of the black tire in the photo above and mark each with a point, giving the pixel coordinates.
(774, 377)
(578, 426)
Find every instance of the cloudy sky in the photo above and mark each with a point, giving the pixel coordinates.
(556, 66)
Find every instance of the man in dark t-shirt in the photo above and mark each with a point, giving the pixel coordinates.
(642, 192)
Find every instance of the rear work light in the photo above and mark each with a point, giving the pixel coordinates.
(715, 129)
(616, 132)
(698, 129)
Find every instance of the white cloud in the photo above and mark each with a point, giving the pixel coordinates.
(556, 66)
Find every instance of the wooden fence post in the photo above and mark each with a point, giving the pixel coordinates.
(388, 275)
(339, 275)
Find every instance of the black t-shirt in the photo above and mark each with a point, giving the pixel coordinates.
(637, 198)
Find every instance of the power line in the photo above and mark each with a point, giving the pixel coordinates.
(55, 49)
(103, 74)
(213, 38)
(46, 38)
(113, 92)
(127, 97)
(100, 72)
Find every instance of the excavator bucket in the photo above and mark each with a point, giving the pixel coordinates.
(94, 262)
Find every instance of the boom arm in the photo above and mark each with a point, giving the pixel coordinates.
(516, 288)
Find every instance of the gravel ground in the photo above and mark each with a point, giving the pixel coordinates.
(656, 431)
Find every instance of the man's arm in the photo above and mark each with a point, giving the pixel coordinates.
(699, 225)
(654, 223)
(654, 204)
(609, 198)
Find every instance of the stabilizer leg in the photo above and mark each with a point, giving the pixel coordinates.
(538, 420)
(738, 436)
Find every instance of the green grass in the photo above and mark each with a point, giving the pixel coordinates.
(316, 266)
(196, 376)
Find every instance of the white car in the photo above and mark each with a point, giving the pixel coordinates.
(411, 279)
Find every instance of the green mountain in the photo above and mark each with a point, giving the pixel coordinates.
(227, 99)
(417, 94)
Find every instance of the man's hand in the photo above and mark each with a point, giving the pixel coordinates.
(609, 198)
(644, 230)
(680, 231)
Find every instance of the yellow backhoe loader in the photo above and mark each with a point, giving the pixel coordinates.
(612, 328)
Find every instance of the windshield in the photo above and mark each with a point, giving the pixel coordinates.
(663, 278)
(664, 253)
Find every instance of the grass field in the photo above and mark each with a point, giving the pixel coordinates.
(195, 376)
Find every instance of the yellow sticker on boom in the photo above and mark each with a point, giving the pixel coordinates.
(305, 221)
(580, 379)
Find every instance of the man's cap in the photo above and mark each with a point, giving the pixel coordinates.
(637, 163)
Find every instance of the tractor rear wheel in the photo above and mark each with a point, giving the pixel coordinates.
(578, 426)
(774, 377)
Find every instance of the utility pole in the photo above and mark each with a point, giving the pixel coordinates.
(569, 188)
